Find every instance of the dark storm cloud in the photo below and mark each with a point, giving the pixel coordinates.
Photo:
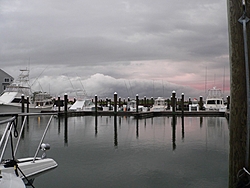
(107, 37)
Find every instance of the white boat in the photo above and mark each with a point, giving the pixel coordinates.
(131, 106)
(83, 105)
(194, 106)
(214, 101)
(26, 169)
(11, 98)
(159, 105)
(9, 180)
(42, 101)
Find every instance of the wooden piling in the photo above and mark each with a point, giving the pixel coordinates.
(137, 103)
(96, 104)
(182, 104)
(201, 103)
(23, 102)
(65, 103)
(173, 101)
(228, 102)
(59, 103)
(28, 104)
(119, 102)
(115, 102)
(238, 104)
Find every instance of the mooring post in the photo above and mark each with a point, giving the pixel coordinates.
(28, 104)
(65, 103)
(119, 102)
(115, 102)
(96, 104)
(238, 94)
(137, 103)
(228, 102)
(173, 101)
(152, 101)
(201, 103)
(59, 103)
(23, 102)
(145, 101)
(182, 104)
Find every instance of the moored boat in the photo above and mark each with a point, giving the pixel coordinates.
(83, 105)
(159, 105)
(11, 98)
(214, 101)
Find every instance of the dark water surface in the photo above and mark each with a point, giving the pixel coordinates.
(156, 152)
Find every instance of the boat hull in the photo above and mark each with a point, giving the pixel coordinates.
(31, 169)
(6, 108)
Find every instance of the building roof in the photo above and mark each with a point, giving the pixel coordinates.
(6, 74)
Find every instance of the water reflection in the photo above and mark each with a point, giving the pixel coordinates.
(115, 132)
(139, 152)
(213, 126)
(173, 123)
(66, 130)
(137, 128)
(182, 128)
(96, 125)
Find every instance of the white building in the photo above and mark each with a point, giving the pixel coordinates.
(5, 79)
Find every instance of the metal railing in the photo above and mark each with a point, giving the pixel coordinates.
(12, 126)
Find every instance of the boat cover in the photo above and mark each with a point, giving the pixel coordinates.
(78, 105)
(7, 97)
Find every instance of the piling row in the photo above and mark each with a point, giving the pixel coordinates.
(174, 105)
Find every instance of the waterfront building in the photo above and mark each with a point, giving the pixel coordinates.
(5, 80)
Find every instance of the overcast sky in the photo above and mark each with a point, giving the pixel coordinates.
(145, 47)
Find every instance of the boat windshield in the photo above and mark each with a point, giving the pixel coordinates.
(211, 102)
(214, 102)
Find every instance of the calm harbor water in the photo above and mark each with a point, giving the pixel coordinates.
(125, 152)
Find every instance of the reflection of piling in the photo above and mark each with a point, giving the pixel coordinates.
(182, 127)
(137, 128)
(174, 131)
(96, 125)
(66, 130)
(115, 132)
(201, 122)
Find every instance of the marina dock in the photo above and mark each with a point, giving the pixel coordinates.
(148, 114)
